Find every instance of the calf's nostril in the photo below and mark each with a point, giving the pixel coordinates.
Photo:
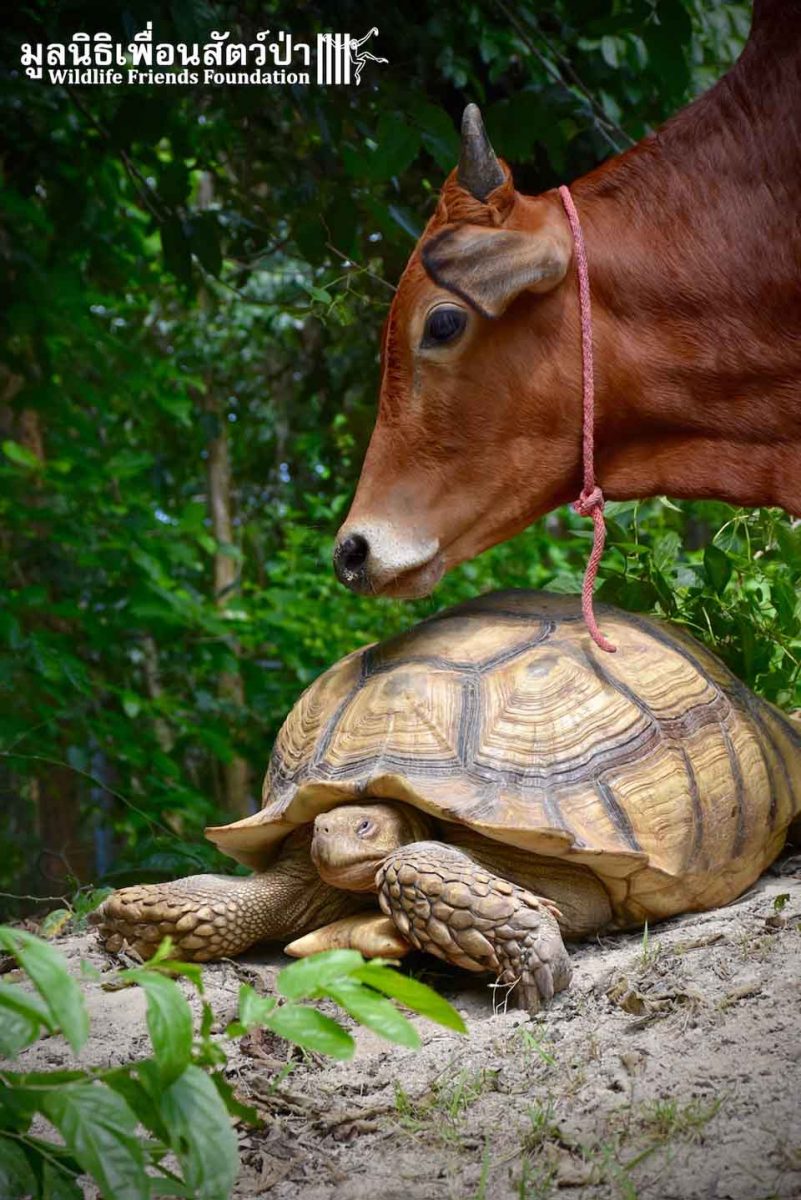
(352, 552)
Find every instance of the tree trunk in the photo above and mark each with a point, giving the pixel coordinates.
(236, 773)
(65, 851)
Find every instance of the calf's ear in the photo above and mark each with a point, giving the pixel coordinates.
(489, 268)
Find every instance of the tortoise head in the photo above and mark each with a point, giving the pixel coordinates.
(350, 842)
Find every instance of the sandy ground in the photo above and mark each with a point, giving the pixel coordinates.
(671, 1070)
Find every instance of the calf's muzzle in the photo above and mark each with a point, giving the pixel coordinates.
(377, 557)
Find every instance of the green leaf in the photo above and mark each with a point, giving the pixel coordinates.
(16, 1175)
(718, 567)
(786, 601)
(397, 146)
(59, 1183)
(308, 1027)
(439, 135)
(177, 404)
(374, 1011)
(99, 1129)
(667, 37)
(201, 1135)
(253, 1008)
(169, 1021)
(609, 51)
(666, 551)
(415, 995)
(141, 1092)
(22, 1016)
(171, 966)
(128, 463)
(162, 1186)
(48, 971)
(16, 1032)
(131, 704)
(308, 976)
(55, 922)
(21, 455)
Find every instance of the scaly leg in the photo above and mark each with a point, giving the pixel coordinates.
(445, 903)
(216, 916)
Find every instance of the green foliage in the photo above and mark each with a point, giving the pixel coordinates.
(179, 1095)
(733, 577)
(186, 269)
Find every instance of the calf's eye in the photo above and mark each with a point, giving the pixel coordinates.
(444, 324)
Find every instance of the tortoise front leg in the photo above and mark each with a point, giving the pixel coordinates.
(217, 916)
(445, 903)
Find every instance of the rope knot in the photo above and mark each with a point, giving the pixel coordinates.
(590, 502)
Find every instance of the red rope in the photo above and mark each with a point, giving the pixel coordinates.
(591, 501)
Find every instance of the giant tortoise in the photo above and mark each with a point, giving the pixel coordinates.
(496, 783)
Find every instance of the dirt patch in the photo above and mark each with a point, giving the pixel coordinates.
(671, 1070)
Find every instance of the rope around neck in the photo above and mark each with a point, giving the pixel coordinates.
(591, 501)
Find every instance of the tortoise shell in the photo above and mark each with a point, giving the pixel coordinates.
(654, 766)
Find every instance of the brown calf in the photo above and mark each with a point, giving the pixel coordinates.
(694, 245)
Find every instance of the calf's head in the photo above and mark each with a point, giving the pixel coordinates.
(478, 428)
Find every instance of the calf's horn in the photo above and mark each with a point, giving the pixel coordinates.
(479, 170)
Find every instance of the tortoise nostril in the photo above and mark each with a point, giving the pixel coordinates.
(351, 556)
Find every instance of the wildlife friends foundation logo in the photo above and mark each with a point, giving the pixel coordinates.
(94, 59)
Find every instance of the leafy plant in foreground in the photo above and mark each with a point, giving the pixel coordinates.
(119, 1125)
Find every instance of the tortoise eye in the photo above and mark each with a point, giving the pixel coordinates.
(364, 827)
(444, 324)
